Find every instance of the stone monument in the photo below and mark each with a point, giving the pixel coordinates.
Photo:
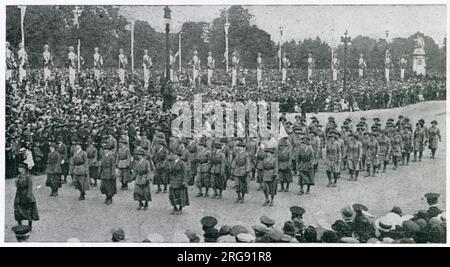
(419, 65)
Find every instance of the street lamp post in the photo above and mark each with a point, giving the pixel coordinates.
(77, 14)
(179, 51)
(167, 22)
(226, 27)
(347, 41)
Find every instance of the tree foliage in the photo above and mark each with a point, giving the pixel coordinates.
(104, 27)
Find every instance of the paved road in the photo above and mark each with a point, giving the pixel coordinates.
(65, 217)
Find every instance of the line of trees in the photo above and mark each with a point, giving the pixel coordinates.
(104, 27)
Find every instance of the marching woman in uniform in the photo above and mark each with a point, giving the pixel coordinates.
(240, 168)
(260, 155)
(305, 165)
(53, 170)
(124, 163)
(407, 139)
(108, 173)
(284, 164)
(385, 150)
(354, 155)
(396, 147)
(332, 159)
(79, 170)
(270, 176)
(372, 155)
(25, 207)
(176, 171)
(419, 140)
(142, 177)
(218, 181)
(434, 136)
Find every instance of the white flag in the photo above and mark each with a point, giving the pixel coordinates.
(283, 132)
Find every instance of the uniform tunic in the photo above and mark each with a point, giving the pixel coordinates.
(108, 175)
(372, 152)
(93, 163)
(251, 148)
(124, 164)
(79, 170)
(62, 150)
(434, 137)
(407, 140)
(203, 168)
(419, 139)
(317, 148)
(354, 155)
(142, 176)
(305, 165)
(53, 170)
(284, 164)
(260, 155)
(385, 148)
(176, 172)
(240, 166)
(218, 170)
(396, 145)
(159, 157)
(192, 148)
(270, 175)
(333, 156)
(25, 207)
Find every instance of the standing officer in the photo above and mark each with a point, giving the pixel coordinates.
(407, 139)
(218, 162)
(108, 174)
(332, 159)
(385, 150)
(270, 176)
(211, 63)
(176, 171)
(354, 155)
(305, 165)
(434, 136)
(373, 149)
(240, 170)
(396, 146)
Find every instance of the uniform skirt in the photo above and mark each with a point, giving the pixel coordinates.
(306, 177)
(24, 210)
(124, 175)
(333, 165)
(259, 175)
(142, 192)
(285, 176)
(53, 181)
(372, 160)
(218, 181)
(65, 168)
(270, 187)
(178, 196)
(353, 164)
(108, 187)
(418, 146)
(241, 184)
(159, 177)
(81, 182)
(93, 172)
(203, 179)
